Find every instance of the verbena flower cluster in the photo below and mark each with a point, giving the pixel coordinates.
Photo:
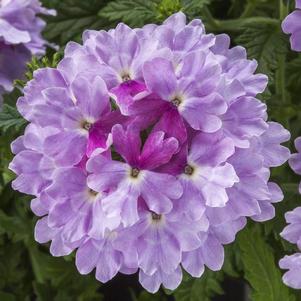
(146, 150)
(292, 232)
(20, 37)
(292, 25)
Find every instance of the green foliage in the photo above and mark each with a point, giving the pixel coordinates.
(73, 17)
(10, 119)
(134, 13)
(191, 289)
(21, 260)
(260, 267)
(294, 74)
(264, 42)
(36, 64)
(140, 12)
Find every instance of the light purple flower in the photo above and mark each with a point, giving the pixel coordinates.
(137, 177)
(295, 159)
(20, 37)
(292, 25)
(211, 251)
(160, 241)
(292, 232)
(146, 151)
(292, 263)
(197, 102)
(105, 257)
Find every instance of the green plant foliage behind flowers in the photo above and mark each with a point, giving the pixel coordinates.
(28, 272)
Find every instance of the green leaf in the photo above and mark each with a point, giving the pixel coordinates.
(204, 288)
(294, 73)
(73, 17)
(10, 119)
(132, 12)
(36, 64)
(260, 267)
(140, 12)
(264, 42)
(194, 7)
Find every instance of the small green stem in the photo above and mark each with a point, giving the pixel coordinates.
(248, 10)
(213, 23)
(236, 25)
(282, 10)
(280, 74)
(280, 79)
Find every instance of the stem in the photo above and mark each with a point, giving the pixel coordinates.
(248, 10)
(280, 79)
(213, 23)
(235, 25)
(280, 74)
(282, 10)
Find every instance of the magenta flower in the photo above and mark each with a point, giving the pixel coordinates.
(292, 25)
(20, 37)
(146, 151)
(137, 177)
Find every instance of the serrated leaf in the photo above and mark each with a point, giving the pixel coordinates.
(132, 12)
(11, 119)
(260, 267)
(203, 288)
(73, 17)
(264, 42)
(194, 7)
(294, 73)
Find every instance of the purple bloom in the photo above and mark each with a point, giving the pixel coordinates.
(292, 232)
(103, 255)
(295, 159)
(20, 37)
(292, 263)
(137, 177)
(146, 151)
(292, 25)
(197, 102)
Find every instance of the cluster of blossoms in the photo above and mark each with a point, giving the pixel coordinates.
(292, 232)
(146, 150)
(20, 37)
(292, 25)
